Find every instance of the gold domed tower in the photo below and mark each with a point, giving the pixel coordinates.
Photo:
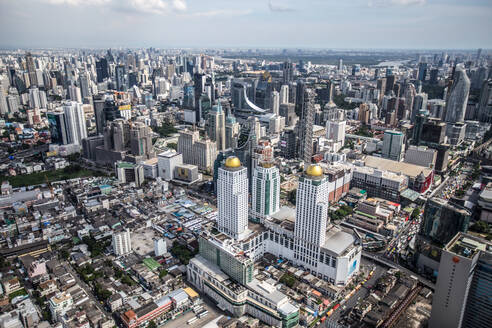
(232, 162)
(314, 171)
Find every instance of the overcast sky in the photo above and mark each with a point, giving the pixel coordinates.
(433, 24)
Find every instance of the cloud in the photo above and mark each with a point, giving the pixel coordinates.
(221, 12)
(279, 7)
(158, 7)
(387, 3)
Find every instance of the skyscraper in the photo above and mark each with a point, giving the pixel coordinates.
(409, 99)
(275, 102)
(485, 104)
(284, 94)
(462, 297)
(422, 72)
(457, 97)
(75, 122)
(335, 131)
(393, 145)
(232, 129)
(120, 78)
(84, 85)
(265, 193)
(102, 71)
(216, 126)
(288, 72)
(306, 126)
(232, 199)
(311, 216)
(31, 69)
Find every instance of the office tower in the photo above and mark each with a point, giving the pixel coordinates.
(4, 108)
(462, 297)
(422, 72)
(84, 85)
(457, 96)
(31, 70)
(393, 145)
(485, 103)
(120, 78)
(306, 126)
(34, 98)
(216, 126)
(381, 86)
(232, 199)
(198, 84)
(186, 142)
(410, 94)
(288, 72)
(265, 191)
(443, 220)
(232, 129)
(364, 114)
(13, 103)
(122, 243)
(74, 93)
(340, 65)
(141, 140)
(105, 110)
(390, 83)
(275, 102)
(335, 131)
(311, 216)
(58, 129)
(284, 94)
(102, 71)
(201, 153)
(75, 122)
(288, 144)
(419, 103)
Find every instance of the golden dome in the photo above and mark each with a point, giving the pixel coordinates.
(314, 170)
(232, 161)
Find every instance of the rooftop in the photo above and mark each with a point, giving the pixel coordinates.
(468, 246)
(407, 169)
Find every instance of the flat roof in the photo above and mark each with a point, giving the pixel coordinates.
(407, 169)
(337, 242)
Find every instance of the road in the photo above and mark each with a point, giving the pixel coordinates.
(86, 288)
(362, 293)
(383, 261)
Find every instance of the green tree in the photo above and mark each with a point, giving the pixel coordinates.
(152, 324)
(172, 145)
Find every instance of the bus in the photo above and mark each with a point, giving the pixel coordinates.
(192, 320)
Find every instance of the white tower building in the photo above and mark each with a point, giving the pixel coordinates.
(265, 197)
(122, 243)
(232, 199)
(75, 122)
(311, 216)
(275, 102)
(160, 247)
(335, 131)
(284, 94)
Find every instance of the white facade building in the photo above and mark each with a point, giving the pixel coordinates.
(166, 162)
(160, 247)
(284, 94)
(422, 156)
(393, 145)
(122, 243)
(335, 131)
(75, 122)
(232, 199)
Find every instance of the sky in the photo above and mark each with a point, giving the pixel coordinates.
(335, 24)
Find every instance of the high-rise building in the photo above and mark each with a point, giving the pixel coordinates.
(160, 247)
(84, 85)
(311, 216)
(410, 94)
(434, 74)
(166, 162)
(457, 97)
(284, 94)
(485, 104)
(306, 126)
(201, 153)
(288, 72)
(216, 126)
(275, 102)
(340, 65)
(130, 172)
(462, 297)
(141, 140)
(120, 78)
(335, 131)
(443, 220)
(105, 110)
(75, 122)
(122, 243)
(393, 145)
(265, 193)
(102, 71)
(390, 83)
(232, 129)
(31, 69)
(74, 93)
(232, 199)
(422, 72)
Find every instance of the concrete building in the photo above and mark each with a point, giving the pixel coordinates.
(196, 151)
(60, 304)
(232, 199)
(232, 129)
(379, 183)
(122, 243)
(457, 97)
(305, 127)
(75, 122)
(422, 156)
(462, 298)
(130, 172)
(393, 145)
(166, 162)
(335, 131)
(160, 247)
(216, 126)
